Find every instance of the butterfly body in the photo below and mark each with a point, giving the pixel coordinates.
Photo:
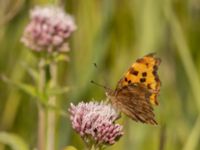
(138, 89)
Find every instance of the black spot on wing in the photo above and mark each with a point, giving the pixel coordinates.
(142, 80)
(125, 79)
(133, 72)
(144, 74)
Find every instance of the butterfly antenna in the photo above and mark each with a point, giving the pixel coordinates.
(97, 67)
(100, 85)
(93, 82)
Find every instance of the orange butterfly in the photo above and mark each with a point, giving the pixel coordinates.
(138, 89)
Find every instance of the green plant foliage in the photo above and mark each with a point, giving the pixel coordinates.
(14, 141)
(112, 34)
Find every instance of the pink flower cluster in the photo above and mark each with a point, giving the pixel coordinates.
(96, 121)
(48, 30)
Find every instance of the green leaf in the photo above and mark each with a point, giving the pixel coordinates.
(28, 89)
(24, 87)
(13, 140)
(32, 72)
(70, 148)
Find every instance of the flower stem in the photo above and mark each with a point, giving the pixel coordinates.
(41, 109)
(51, 114)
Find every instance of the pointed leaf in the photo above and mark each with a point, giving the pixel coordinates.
(13, 140)
(32, 72)
(28, 89)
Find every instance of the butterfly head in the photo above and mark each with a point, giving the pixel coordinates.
(109, 93)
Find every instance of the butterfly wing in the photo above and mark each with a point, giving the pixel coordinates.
(133, 100)
(144, 71)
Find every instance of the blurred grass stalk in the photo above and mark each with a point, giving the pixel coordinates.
(14, 99)
(9, 9)
(9, 113)
(186, 58)
(193, 139)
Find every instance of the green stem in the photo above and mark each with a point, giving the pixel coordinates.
(41, 110)
(93, 147)
(51, 118)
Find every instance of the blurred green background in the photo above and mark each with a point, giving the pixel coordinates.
(112, 34)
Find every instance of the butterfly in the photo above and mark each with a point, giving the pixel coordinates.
(136, 92)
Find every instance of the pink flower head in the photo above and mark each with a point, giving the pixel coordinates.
(96, 121)
(49, 29)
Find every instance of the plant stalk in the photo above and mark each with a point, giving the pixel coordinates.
(41, 109)
(51, 113)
